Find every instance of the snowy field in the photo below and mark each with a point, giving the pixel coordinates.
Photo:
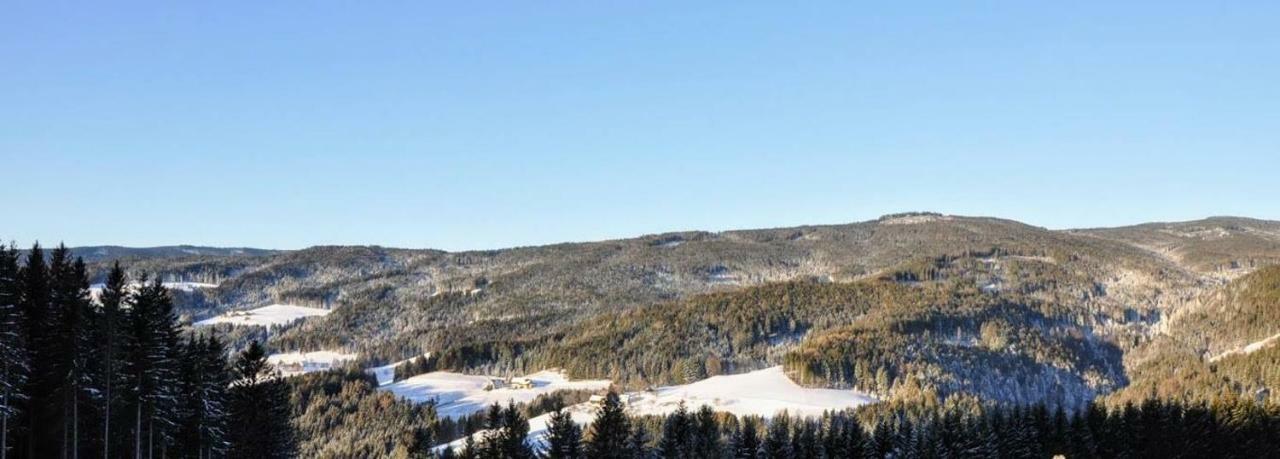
(296, 363)
(763, 393)
(458, 395)
(387, 373)
(266, 316)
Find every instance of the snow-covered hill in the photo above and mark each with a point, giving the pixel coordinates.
(266, 316)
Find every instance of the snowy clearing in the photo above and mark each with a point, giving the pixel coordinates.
(763, 393)
(458, 395)
(266, 316)
(1248, 349)
(387, 373)
(296, 363)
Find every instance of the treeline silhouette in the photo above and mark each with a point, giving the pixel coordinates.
(109, 373)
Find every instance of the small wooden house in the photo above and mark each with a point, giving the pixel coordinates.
(521, 383)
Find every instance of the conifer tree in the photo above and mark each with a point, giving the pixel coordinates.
(706, 434)
(638, 443)
(151, 368)
(259, 409)
(804, 440)
(40, 439)
(564, 437)
(853, 438)
(610, 431)
(777, 443)
(71, 344)
(110, 330)
(677, 433)
(204, 379)
(513, 433)
(746, 440)
(883, 439)
(13, 351)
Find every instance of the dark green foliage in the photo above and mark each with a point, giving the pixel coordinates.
(342, 414)
(564, 437)
(110, 377)
(1227, 428)
(745, 442)
(260, 409)
(415, 366)
(14, 365)
(610, 432)
(677, 435)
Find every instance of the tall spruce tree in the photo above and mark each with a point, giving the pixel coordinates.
(153, 350)
(638, 443)
(777, 442)
(564, 437)
(610, 431)
(513, 433)
(40, 439)
(71, 345)
(746, 440)
(677, 435)
(13, 351)
(706, 434)
(111, 338)
(204, 379)
(259, 409)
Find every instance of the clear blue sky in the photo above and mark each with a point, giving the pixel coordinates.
(428, 124)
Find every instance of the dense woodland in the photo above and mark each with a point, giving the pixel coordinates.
(1225, 428)
(114, 375)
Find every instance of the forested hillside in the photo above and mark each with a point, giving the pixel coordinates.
(926, 302)
(925, 312)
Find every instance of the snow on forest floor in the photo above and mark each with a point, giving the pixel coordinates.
(458, 395)
(763, 393)
(95, 290)
(296, 363)
(266, 316)
(1248, 349)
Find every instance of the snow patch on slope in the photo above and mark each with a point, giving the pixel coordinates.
(386, 373)
(296, 363)
(762, 393)
(266, 316)
(1248, 349)
(458, 395)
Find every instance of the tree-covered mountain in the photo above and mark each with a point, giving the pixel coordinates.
(103, 253)
(907, 306)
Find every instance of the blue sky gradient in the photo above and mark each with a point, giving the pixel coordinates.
(416, 124)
